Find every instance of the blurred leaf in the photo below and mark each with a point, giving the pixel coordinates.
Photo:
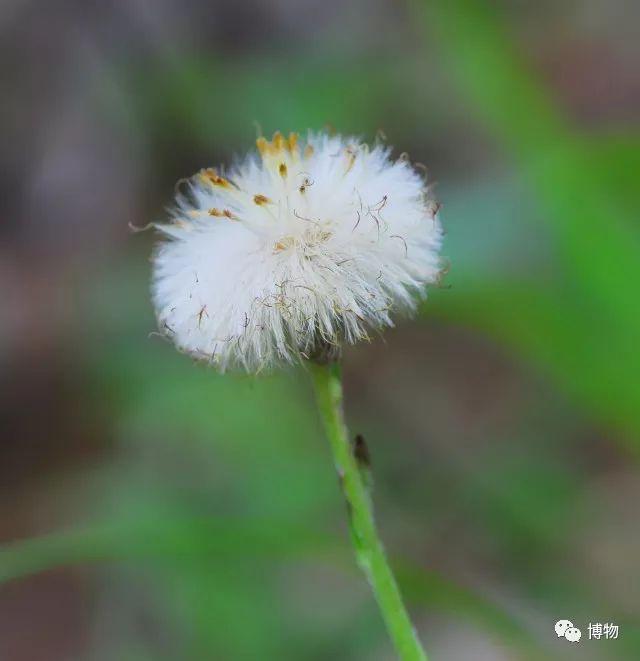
(556, 335)
(146, 539)
(562, 169)
(582, 322)
(430, 589)
(204, 564)
(616, 163)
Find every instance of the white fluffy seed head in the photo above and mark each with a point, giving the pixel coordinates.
(302, 245)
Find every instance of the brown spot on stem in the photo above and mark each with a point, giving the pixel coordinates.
(361, 452)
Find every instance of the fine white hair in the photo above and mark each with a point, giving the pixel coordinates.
(304, 245)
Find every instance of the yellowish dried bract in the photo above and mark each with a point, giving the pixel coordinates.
(277, 144)
(309, 239)
(284, 243)
(212, 177)
(351, 158)
(222, 213)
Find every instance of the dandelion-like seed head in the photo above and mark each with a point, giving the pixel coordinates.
(301, 247)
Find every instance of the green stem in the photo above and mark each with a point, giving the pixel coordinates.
(369, 550)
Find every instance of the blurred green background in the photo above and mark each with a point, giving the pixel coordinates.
(153, 510)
